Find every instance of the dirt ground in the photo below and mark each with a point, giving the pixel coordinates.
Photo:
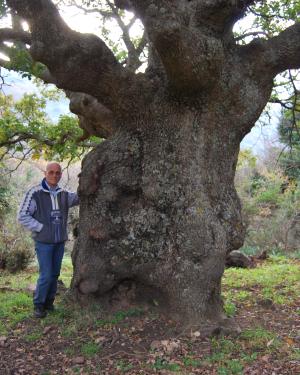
(145, 344)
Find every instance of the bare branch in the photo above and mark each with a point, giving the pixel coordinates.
(21, 160)
(97, 10)
(283, 103)
(132, 21)
(1, 78)
(11, 35)
(133, 61)
(266, 16)
(143, 43)
(250, 34)
(19, 137)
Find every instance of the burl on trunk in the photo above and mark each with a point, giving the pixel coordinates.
(158, 214)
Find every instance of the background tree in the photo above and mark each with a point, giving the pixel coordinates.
(159, 211)
(290, 137)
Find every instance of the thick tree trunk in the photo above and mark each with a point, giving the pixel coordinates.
(159, 212)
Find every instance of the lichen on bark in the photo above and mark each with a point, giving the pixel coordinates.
(154, 214)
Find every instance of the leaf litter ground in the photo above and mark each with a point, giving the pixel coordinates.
(264, 301)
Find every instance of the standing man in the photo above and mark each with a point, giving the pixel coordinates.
(44, 211)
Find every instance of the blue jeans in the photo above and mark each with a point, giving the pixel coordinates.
(49, 258)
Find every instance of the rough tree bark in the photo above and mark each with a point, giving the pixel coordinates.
(158, 207)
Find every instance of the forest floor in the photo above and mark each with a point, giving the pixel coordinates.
(264, 301)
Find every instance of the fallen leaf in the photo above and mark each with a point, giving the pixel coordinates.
(78, 360)
(47, 330)
(155, 345)
(100, 339)
(289, 341)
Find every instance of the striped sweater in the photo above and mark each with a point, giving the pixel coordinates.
(44, 211)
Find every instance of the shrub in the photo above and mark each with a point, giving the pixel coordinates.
(16, 250)
(18, 259)
(271, 207)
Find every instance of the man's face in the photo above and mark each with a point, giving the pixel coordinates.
(53, 174)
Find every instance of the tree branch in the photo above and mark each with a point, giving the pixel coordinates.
(276, 54)
(11, 35)
(143, 42)
(133, 61)
(27, 136)
(100, 11)
(220, 15)
(283, 51)
(250, 34)
(78, 62)
(192, 59)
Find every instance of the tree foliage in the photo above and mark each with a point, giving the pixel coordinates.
(26, 131)
(272, 16)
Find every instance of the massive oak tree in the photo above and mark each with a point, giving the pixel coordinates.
(159, 211)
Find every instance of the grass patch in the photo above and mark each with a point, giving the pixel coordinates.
(229, 308)
(70, 351)
(90, 349)
(14, 307)
(191, 362)
(232, 356)
(124, 366)
(223, 346)
(231, 367)
(34, 336)
(295, 355)
(66, 271)
(278, 279)
(70, 330)
(19, 280)
(261, 339)
(162, 364)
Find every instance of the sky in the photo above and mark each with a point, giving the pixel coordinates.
(260, 138)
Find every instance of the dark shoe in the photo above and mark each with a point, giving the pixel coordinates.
(49, 305)
(39, 312)
(50, 308)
